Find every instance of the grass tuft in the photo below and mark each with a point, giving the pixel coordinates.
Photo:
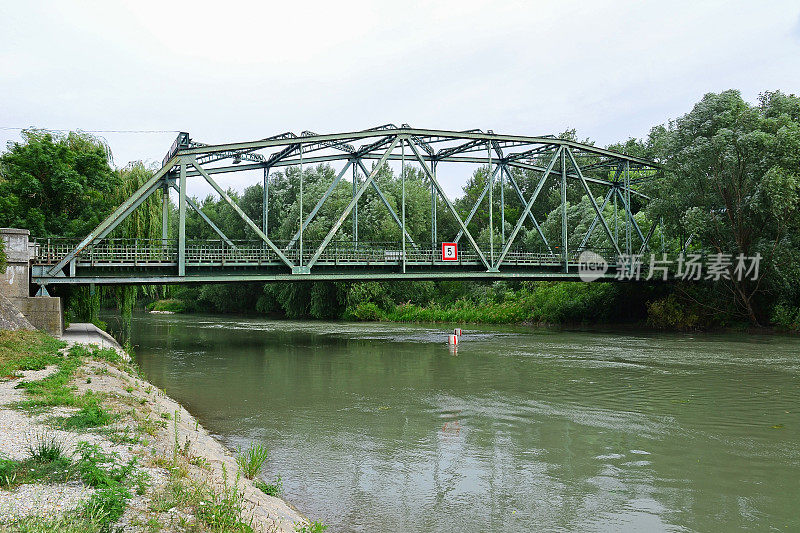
(45, 447)
(252, 461)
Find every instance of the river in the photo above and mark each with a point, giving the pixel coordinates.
(380, 427)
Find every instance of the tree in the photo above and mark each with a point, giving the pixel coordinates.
(732, 182)
(56, 185)
(143, 223)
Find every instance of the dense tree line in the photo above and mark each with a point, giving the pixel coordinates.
(730, 184)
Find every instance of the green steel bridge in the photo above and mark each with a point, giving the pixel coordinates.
(100, 258)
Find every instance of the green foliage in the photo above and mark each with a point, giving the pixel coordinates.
(732, 181)
(172, 305)
(671, 313)
(145, 221)
(174, 494)
(92, 414)
(47, 447)
(8, 471)
(56, 185)
(54, 389)
(500, 303)
(786, 317)
(32, 470)
(83, 305)
(101, 470)
(107, 505)
(106, 354)
(71, 522)
(367, 301)
(222, 510)
(311, 527)
(365, 311)
(272, 489)
(252, 460)
(48, 461)
(27, 350)
(326, 300)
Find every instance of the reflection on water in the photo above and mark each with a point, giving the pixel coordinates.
(380, 427)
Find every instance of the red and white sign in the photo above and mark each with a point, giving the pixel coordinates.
(449, 251)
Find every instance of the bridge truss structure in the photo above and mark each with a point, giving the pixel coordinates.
(99, 259)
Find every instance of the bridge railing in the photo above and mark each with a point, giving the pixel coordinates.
(109, 251)
(158, 252)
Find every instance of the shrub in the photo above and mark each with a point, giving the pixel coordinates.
(364, 311)
(107, 505)
(222, 510)
(786, 318)
(252, 461)
(171, 305)
(673, 313)
(91, 466)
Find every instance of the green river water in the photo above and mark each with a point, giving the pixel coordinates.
(381, 427)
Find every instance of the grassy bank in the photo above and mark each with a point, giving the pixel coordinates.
(27, 350)
(144, 463)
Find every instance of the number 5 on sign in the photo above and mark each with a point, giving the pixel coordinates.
(449, 251)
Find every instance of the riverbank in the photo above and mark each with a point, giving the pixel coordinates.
(466, 313)
(86, 444)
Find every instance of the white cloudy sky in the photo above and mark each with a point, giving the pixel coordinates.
(229, 71)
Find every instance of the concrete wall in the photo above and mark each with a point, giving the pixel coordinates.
(43, 312)
(16, 279)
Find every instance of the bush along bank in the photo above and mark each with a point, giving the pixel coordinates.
(422, 301)
(668, 306)
(97, 448)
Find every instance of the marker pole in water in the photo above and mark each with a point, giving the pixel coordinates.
(452, 340)
(457, 332)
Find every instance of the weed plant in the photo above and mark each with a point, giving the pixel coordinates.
(252, 460)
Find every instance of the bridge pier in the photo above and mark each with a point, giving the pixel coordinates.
(43, 312)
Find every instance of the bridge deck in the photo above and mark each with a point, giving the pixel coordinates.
(142, 261)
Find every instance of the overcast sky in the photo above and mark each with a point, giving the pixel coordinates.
(231, 71)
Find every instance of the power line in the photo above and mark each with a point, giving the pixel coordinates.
(89, 131)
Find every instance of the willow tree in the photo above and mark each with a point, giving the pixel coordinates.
(143, 223)
(732, 181)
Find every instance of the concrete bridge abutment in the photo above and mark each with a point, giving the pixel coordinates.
(42, 312)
